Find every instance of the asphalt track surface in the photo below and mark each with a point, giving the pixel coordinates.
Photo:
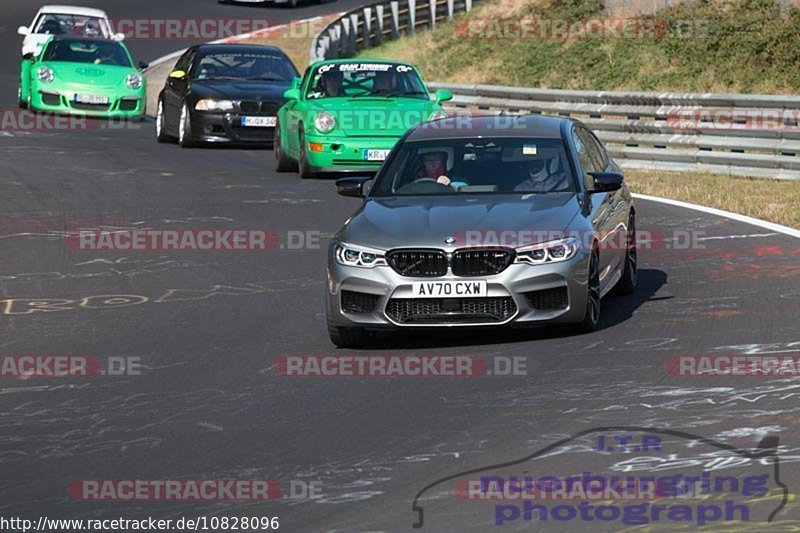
(208, 326)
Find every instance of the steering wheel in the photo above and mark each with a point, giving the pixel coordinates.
(422, 186)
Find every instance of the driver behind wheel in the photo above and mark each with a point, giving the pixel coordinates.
(433, 166)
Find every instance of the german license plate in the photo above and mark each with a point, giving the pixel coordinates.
(260, 122)
(374, 155)
(448, 289)
(90, 99)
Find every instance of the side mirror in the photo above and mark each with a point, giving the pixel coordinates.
(23, 30)
(177, 75)
(443, 96)
(119, 36)
(606, 181)
(143, 65)
(28, 57)
(352, 186)
(292, 94)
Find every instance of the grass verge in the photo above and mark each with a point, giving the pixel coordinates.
(773, 200)
(748, 46)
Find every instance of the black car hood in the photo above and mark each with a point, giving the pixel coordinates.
(270, 91)
(426, 221)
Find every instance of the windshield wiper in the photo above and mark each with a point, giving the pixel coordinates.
(379, 92)
(273, 77)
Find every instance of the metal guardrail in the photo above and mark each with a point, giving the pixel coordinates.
(758, 135)
(379, 22)
(647, 130)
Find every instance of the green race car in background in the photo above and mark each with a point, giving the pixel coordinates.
(73, 75)
(346, 115)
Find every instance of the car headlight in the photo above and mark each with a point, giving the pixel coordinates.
(133, 81)
(209, 104)
(45, 74)
(360, 256)
(324, 122)
(549, 252)
(436, 115)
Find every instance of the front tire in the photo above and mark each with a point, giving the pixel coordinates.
(347, 337)
(282, 161)
(302, 160)
(23, 104)
(627, 283)
(591, 317)
(161, 124)
(185, 134)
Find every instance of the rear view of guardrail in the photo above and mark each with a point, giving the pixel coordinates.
(736, 134)
(379, 22)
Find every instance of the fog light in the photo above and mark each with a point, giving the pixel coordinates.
(315, 147)
(335, 147)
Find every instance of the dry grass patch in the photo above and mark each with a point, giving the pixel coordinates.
(773, 200)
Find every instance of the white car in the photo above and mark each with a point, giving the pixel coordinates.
(65, 20)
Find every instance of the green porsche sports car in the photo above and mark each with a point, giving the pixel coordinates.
(73, 75)
(345, 115)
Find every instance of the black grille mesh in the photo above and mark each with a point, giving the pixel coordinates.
(548, 299)
(358, 302)
(451, 310)
(251, 107)
(418, 263)
(481, 262)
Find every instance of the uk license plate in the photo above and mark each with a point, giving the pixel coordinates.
(90, 99)
(374, 155)
(449, 289)
(260, 122)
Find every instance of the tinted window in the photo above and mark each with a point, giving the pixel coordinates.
(584, 158)
(596, 151)
(185, 61)
(78, 25)
(266, 66)
(365, 79)
(496, 165)
(94, 52)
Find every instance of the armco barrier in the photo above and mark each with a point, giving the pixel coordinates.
(735, 134)
(382, 21)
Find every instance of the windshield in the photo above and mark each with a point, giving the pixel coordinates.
(244, 66)
(352, 80)
(58, 24)
(457, 166)
(81, 51)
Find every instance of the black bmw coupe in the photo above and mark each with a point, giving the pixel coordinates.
(224, 93)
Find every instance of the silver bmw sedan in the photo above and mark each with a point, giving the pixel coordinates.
(480, 222)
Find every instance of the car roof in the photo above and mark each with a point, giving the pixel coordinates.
(82, 38)
(466, 127)
(74, 10)
(359, 60)
(239, 48)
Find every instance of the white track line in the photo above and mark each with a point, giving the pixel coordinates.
(786, 230)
